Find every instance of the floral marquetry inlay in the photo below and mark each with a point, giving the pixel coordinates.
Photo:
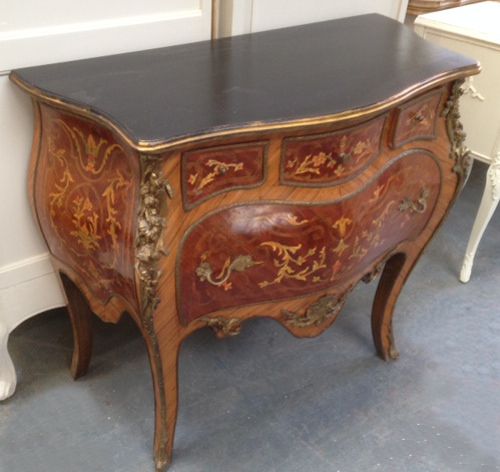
(209, 172)
(255, 253)
(83, 201)
(417, 119)
(330, 158)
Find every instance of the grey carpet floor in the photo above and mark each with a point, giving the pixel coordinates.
(267, 402)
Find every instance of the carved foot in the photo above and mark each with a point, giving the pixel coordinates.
(388, 351)
(466, 268)
(393, 354)
(162, 461)
(7, 387)
(8, 379)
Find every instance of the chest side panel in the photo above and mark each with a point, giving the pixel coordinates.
(85, 194)
(260, 252)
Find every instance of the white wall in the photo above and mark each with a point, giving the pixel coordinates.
(33, 33)
(245, 16)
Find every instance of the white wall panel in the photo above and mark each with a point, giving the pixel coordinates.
(27, 14)
(245, 16)
(33, 33)
(277, 13)
(114, 27)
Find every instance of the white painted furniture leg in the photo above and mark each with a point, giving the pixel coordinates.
(26, 288)
(7, 372)
(488, 205)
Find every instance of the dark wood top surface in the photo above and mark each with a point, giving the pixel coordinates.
(161, 95)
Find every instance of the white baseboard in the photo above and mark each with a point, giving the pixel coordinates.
(480, 157)
(27, 288)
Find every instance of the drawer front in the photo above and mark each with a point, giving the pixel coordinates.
(417, 119)
(265, 251)
(331, 158)
(209, 172)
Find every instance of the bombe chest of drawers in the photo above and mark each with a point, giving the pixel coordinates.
(261, 175)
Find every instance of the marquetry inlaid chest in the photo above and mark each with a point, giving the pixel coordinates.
(260, 175)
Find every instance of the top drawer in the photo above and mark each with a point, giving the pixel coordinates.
(331, 158)
(417, 119)
(211, 171)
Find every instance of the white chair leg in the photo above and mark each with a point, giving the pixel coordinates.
(486, 209)
(7, 372)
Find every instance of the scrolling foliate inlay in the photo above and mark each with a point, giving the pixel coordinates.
(456, 134)
(332, 157)
(292, 265)
(211, 171)
(218, 168)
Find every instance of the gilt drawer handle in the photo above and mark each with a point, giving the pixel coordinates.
(419, 117)
(419, 206)
(240, 264)
(218, 168)
(346, 158)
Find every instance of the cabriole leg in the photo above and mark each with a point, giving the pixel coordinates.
(81, 320)
(163, 355)
(389, 287)
(488, 205)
